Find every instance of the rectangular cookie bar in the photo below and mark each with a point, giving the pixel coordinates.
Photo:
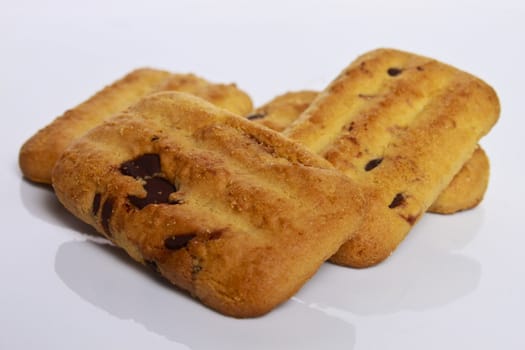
(465, 191)
(232, 212)
(39, 154)
(402, 125)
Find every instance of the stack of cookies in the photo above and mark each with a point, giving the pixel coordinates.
(240, 207)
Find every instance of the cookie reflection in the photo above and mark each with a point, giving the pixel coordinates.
(107, 278)
(424, 272)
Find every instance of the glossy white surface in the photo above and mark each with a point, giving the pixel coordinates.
(455, 283)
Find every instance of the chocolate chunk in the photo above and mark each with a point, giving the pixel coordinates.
(178, 241)
(107, 211)
(96, 204)
(142, 166)
(373, 163)
(154, 138)
(394, 71)
(158, 191)
(397, 201)
(255, 116)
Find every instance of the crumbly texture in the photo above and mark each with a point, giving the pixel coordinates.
(228, 210)
(401, 125)
(39, 154)
(227, 96)
(467, 188)
(465, 191)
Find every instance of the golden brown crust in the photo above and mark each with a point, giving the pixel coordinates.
(403, 125)
(39, 154)
(464, 192)
(251, 216)
(467, 188)
(227, 96)
(281, 111)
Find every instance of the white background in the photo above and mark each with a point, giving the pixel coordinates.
(457, 282)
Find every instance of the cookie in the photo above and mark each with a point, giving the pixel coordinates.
(227, 96)
(230, 211)
(402, 125)
(39, 154)
(467, 188)
(464, 192)
(283, 110)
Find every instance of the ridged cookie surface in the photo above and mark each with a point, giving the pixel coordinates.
(465, 191)
(39, 154)
(402, 125)
(230, 211)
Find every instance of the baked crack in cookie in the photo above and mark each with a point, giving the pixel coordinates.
(39, 154)
(464, 192)
(401, 125)
(234, 213)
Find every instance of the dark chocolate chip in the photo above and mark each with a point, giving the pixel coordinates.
(142, 166)
(350, 127)
(419, 68)
(394, 71)
(107, 211)
(158, 191)
(96, 204)
(397, 201)
(373, 163)
(178, 241)
(255, 116)
(154, 138)
(152, 265)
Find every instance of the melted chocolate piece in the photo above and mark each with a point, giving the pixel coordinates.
(142, 166)
(147, 168)
(397, 201)
(107, 210)
(394, 71)
(373, 163)
(178, 241)
(158, 191)
(96, 204)
(255, 116)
